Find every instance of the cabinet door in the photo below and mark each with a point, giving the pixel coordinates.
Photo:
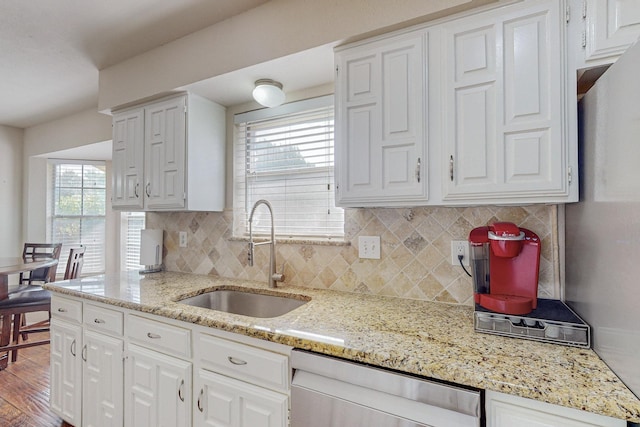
(103, 374)
(66, 371)
(128, 161)
(225, 402)
(157, 389)
(508, 411)
(380, 122)
(164, 153)
(503, 100)
(611, 27)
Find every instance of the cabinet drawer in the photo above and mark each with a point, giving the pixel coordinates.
(244, 362)
(68, 309)
(159, 336)
(103, 319)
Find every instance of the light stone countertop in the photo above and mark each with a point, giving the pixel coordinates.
(434, 340)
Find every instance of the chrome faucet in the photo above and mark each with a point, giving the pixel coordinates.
(273, 276)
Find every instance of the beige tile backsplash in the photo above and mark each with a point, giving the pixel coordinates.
(415, 250)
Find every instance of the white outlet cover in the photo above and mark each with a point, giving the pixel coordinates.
(459, 246)
(183, 239)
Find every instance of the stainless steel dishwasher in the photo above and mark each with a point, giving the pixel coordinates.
(331, 392)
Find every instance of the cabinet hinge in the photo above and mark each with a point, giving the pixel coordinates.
(584, 9)
(570, 174)
(567, 13)
(584, 38)
(185, 109)
(337, 70)
(184, 196)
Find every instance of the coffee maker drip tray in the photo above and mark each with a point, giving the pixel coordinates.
(552, 321)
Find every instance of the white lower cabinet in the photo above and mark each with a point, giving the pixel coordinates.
(240, 385)
(66, 370)
(86, 363)
(112, 366)
(505, 410)
(226, 402)
(102, 380)
(157, 389)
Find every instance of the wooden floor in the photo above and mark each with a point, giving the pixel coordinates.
(24, 390)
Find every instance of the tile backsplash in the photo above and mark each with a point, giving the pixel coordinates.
(415, 250)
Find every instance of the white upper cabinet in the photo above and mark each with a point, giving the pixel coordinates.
(169, 155)
(505, 127)
(471, 110)
(127, 159)
(380, 122)
(606, 28)
(164, 154)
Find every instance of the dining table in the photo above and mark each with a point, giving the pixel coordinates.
(8, 267)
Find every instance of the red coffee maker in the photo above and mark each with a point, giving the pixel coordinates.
(505, 260)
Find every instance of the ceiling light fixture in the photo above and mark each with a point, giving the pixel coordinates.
(268, 93)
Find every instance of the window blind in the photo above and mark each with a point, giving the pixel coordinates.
(78, 200)
(132, 223)
(287, 159)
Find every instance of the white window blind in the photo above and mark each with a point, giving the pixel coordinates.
(78, 200)
(285, 155)
(130, 226)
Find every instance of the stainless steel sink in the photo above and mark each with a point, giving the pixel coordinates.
(245, 303)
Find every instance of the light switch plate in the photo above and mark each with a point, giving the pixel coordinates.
(369, 247)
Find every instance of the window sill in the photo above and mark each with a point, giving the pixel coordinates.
(297, 240)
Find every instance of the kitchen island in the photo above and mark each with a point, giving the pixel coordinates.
(433, 340)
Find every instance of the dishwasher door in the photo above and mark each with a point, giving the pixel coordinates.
(330, 392)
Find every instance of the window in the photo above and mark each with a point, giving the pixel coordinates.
(285, 155)
(77, 211)
(130, 226)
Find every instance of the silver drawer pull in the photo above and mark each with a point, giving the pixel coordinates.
(200, 408)
(98, 321)
(62, 310)
(73, 348)
(236, 361)
(153, 336)
(180, 395)
(84, 353)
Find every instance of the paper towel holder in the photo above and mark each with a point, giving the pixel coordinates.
(151, 250)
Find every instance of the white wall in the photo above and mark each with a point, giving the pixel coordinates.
(10, 191)
(78, 130)
(83, 128)
(270, 31)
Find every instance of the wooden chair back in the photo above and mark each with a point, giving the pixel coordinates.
(39, 251)
(74, 263)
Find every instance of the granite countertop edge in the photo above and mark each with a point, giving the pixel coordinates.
(430, 339)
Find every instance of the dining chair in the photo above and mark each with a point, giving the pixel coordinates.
(27, 301)
(38, 251)
(75, 262)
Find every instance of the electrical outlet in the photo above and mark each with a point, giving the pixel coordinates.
(459, 247)
(183, 239)
(369, 247)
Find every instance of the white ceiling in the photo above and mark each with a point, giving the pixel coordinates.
(51, 51)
